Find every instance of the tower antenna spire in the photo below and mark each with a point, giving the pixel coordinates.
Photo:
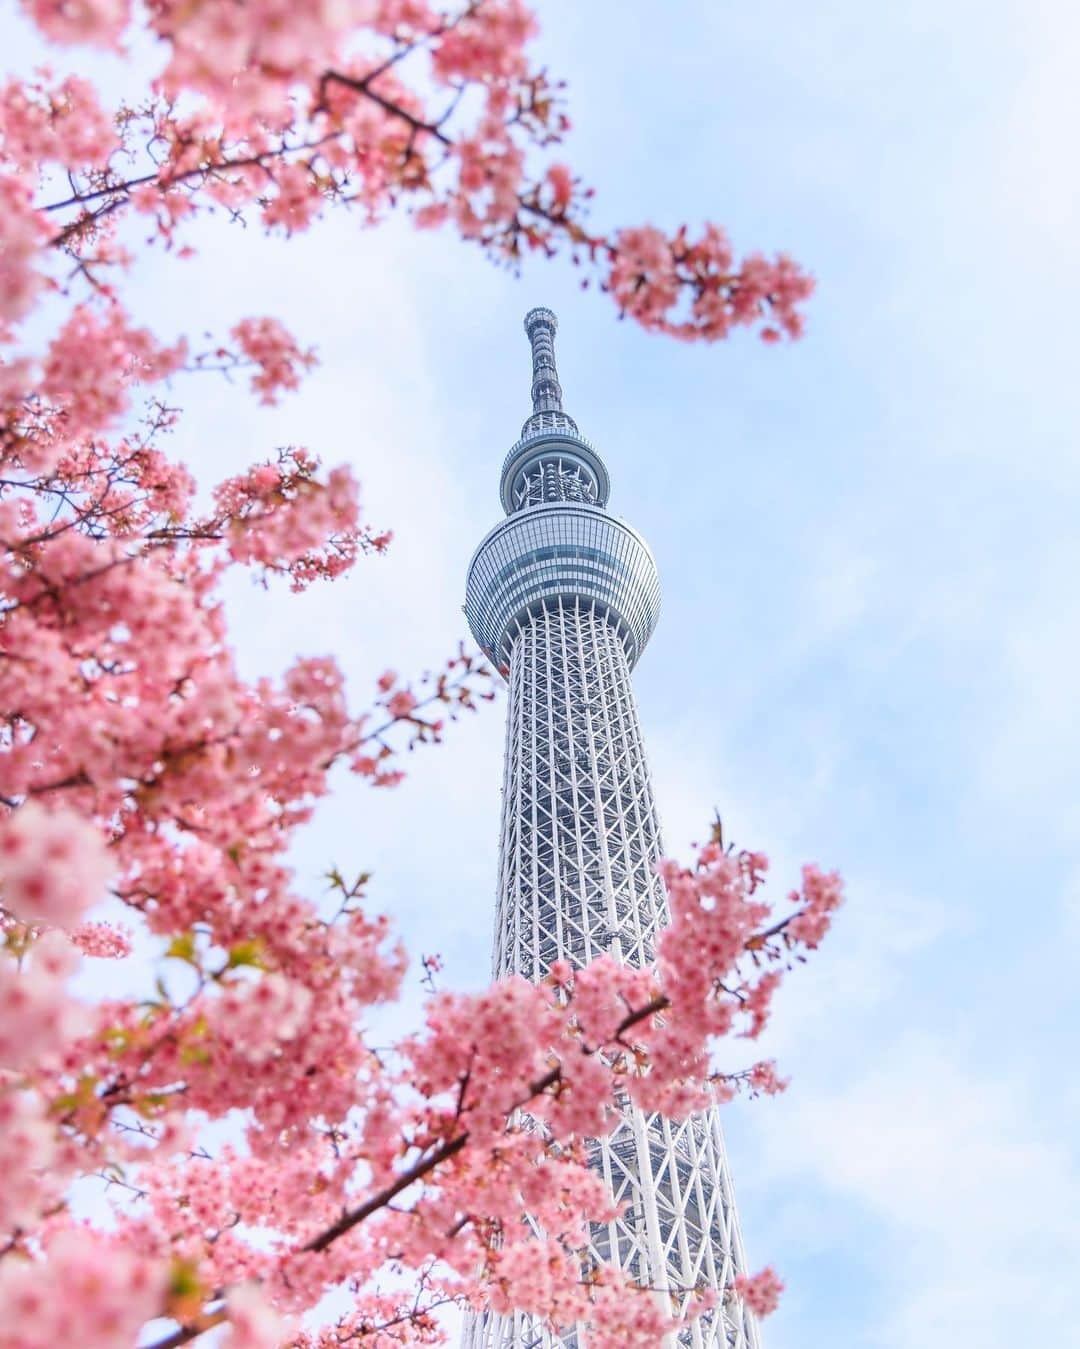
(540, 326)
(551, 460)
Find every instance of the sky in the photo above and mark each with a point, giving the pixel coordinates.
(867, 540)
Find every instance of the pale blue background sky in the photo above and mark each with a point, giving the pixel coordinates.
(868, 548)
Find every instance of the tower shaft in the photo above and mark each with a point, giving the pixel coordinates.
(580, 832)
(563, 597)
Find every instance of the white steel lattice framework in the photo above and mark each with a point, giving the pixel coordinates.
(563, 598)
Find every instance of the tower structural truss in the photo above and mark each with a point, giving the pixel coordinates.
(563, 598)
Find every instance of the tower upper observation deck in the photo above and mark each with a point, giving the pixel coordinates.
(558, 539)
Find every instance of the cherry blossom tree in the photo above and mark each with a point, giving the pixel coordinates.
(138, 764)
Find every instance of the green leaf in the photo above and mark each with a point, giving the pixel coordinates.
(183, 948)
(245, 953)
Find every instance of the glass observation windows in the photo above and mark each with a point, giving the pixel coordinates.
(554, 550)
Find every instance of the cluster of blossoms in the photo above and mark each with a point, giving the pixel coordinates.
(36, 1017)
(650, 273)
(288, 111)
(63, 125)
(108, 1289)
(138, 764)
(102, 940)
(284, 519)
(268, 345)
(52, 866)
(761, 1291)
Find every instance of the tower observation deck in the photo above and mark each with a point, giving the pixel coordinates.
(563, 598)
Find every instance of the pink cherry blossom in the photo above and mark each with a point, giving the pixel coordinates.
(284, 519)
(763, 1077)
(253, 1323)
(29, 1155)
(65, 124)
(37, 1018)
(266, 343)
(401, 704)
(89, 1290)
(53, 865)
(254, 1019)
(102, 940)
(23, 230)
(821, 895)
(761, 1291)
(92, 363)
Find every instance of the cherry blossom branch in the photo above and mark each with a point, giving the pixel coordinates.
(202, 172)
(416, 1172)
(451, 1147)
(185, 1334)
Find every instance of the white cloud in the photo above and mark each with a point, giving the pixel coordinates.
(1038, 163)
(1070, 905)
(975, 1205)
(1032, 746)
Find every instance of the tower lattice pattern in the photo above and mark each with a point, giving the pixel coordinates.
(564, 606)
(579, 832)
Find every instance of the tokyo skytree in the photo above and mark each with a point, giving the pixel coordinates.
(563, 598)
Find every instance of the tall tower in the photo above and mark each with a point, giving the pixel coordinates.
(563, 597)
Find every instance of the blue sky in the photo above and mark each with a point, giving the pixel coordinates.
(868, 545)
